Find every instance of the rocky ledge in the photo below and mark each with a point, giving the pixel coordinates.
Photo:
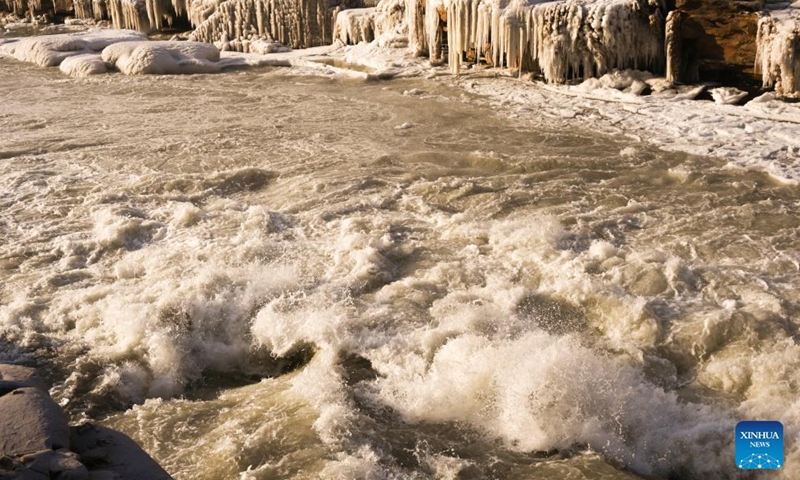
(37, 442)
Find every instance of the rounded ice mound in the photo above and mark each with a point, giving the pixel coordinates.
(136, 58)
(83, 65)
(51, 50)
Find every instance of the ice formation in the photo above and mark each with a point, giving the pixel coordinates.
(778, 56)
(296, 23)
(83, 65)
(51, 50)
(355, 25)
(561, 39)
(558, 39)
(727, 95)
(134, 58)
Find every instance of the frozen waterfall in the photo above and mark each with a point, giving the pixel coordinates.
(778, 57)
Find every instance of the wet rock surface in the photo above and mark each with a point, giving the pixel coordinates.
(37, 443)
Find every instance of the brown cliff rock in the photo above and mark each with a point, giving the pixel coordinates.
(717, 41)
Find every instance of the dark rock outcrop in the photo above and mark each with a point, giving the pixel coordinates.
(714, 40)
(37, 443)
(112, 451)
(30, 421)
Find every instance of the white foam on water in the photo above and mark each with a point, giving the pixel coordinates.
(474, 280)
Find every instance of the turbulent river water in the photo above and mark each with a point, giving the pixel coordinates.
(259, 275)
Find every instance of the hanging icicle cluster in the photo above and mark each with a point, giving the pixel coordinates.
(778, 54)
(560, 39)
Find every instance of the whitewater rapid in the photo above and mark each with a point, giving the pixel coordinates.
(260, 275)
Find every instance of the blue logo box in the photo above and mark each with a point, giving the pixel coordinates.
(759, 445)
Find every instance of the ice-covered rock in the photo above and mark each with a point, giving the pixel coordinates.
(778, 57)
(295, 23)
(727, 95)
(51, 50)
(83, 65)
(355, 25)
(561, 39)
(264, 47)
(134, 58)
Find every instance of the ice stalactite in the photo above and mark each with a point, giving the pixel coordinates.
(32, 7)
(83, 9)
(355, 25)
(92, 9)
(673, 46)
(778, 55)
(158, 11)
(562, 39)
(128, 14)
(415, 22)
(297, 23)
(199, 11)
(389, 16)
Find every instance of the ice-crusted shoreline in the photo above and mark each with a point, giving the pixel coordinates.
(762, 134)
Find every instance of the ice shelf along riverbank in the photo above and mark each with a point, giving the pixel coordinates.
(726, 40)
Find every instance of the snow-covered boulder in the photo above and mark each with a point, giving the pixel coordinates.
(135, 58)
(51, 50)
(83, 65)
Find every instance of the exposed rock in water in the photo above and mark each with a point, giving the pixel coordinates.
(31, 422)
(109, 450)
(36, 441)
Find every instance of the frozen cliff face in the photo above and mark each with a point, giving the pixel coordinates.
(561, 39)
(778, 57)
(296, 23)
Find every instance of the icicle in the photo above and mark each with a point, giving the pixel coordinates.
(129, 14)
(563, 39)
(673, 45)
(297, 23)
(778, 53)
(83, 9)
(355, 25)
(415, 19)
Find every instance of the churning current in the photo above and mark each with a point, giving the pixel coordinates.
(258, 275)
